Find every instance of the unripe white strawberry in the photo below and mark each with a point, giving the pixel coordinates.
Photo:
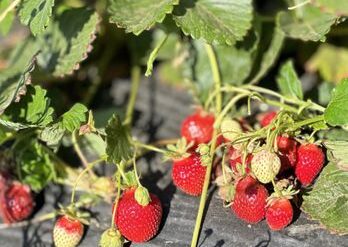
(265, 165)
(230, 129)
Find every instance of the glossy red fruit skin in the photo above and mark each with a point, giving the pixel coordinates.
(198, 127)
(267, 118)
(188, 174)
(250, 200)
(135, 222)
(310, 161)
(279, 214)
(16, 203)
(287, 149)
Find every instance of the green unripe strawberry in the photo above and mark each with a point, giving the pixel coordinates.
(111, 238)
(265, 165)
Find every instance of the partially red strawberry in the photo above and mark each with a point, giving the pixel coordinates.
(250, 200)
(135, 222)
(287, 148)
(198, 127)
(67, 232)
(236, 158)
(16, 202)
(266, 118)
(188, 174)
(310, 161)
(279, 213)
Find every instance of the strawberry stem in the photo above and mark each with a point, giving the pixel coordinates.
(116, 199)
(217, 83)
(135, 77)
(79, 153)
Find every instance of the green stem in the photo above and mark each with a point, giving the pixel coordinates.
(154, 54)
(135, 75)
(305, 122)
(148, 147)
(11, 7)
(89, 166)
(116, 199)
(217, 83)
(135, 168)
(79, 153)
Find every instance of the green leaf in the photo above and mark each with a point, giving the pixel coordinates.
(334, 134)
(38, 110)
(13, 82)
(36, 167)
(118, 146)
(328, 201)
(307, 23)
(336, 112)
(330, 61)
(235, 63)
(337, 7)
(270, 53)
(140, 15)
(72, 119)
(288, 81)
(52, 135)
(15, 126)
(338, 153)
(65, 43)
(222, 21)
(6, 23)
(36, 14)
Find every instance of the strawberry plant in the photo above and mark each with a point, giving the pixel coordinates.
(271, 140)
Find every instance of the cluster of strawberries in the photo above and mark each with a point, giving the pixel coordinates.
(16, 200)
(256, 185)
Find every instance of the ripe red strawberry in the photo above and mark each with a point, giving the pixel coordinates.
(236, 158)
(135, 222)
(67, 232)
(250, 200)
(267, 118)
(16, 202)
(310, 161)
(198, 127)
(188, 174)
(287, 148)
(279, 214)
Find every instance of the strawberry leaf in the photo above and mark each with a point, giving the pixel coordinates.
(336, 112)
(327, 202)
(307, 23)
(13, 82)
(337, 7)
(140, 15)
(36, 167)
(223, 21)
(330, 61)
(118, 146)
(65, 43)
(288, 81)
(337, 152)
(72, 119)
(36, 14)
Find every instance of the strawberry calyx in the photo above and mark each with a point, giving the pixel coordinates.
(142, 196)
(180, 150)
(72, 213)
(204, 151)
(280, 192)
